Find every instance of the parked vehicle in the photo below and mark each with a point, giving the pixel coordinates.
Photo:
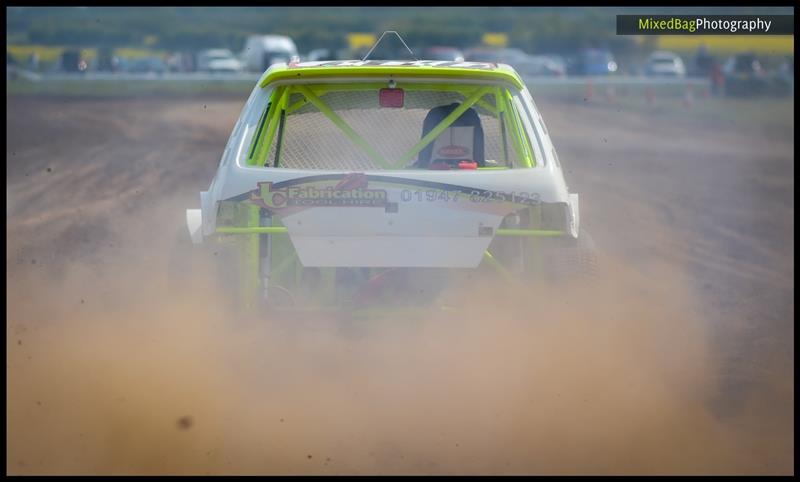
(218, 61)
(744, 75)
(664, 64)
(592, 62)
(262, 51)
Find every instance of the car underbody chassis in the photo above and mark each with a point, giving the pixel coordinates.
(359, 184)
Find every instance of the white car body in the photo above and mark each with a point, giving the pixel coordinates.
(416, 234)
(665, 64)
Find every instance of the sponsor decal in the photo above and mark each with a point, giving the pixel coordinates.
(351, 190)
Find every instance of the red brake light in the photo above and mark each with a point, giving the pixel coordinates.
(391, 97)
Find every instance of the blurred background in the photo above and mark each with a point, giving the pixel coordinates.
(679, 360)
(546, 45)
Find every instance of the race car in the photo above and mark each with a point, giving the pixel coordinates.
(351, 183)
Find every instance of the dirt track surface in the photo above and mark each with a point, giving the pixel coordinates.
(681, 362)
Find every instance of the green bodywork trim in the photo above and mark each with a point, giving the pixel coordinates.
(397, 72)
(261, 140)
(280, 96)
(486, 106)
(434, 133)
(257, 137)
(341, 124)
(297, 105)
(498, 94)
(521, 132)
(513, 122)
(279, 142)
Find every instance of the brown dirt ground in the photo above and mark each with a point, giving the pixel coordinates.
(681, 361)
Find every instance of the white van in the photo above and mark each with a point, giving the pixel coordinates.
(261, 51)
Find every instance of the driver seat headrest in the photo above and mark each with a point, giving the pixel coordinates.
(463, 139)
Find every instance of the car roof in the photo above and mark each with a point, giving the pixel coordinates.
(393, 68)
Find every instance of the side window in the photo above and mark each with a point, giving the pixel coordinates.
(536, 141)
(248, 124)
(539, 129)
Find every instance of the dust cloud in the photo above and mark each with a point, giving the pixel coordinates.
(120, 361)
(114, 370)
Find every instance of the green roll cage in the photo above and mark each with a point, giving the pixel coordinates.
(278, 108)
(247, 218)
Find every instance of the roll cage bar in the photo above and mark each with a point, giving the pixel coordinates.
(273, 118)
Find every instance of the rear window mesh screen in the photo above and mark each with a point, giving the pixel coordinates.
(312, 141)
